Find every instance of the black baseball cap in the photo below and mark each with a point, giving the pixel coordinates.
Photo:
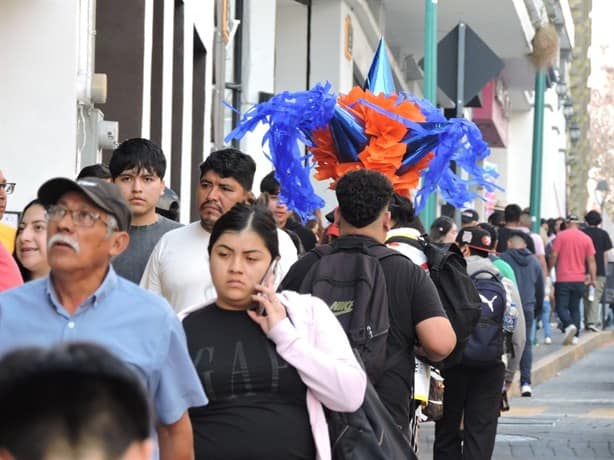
(469, 215)
(476, 238)
(103, 194)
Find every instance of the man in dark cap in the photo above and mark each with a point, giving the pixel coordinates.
(469, 218)
(83, 299)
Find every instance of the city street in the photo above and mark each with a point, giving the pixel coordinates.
(570, 416)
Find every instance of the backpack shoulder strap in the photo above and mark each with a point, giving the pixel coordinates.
(485, 272)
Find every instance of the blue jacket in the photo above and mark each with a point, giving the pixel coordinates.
(529, 276)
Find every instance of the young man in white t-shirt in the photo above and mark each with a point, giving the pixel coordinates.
(178, 268)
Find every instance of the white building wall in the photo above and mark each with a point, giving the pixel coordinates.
(515, 162)
(553, 203)
(519, 152)
(38, 71)
(291, 47)
(258, 73)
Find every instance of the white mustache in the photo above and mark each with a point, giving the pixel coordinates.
(59, 238)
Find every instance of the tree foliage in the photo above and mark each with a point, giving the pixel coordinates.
(601, 132)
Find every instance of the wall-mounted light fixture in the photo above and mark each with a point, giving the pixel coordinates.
(574, 132)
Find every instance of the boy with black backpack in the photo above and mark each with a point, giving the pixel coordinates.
(473, 388)
(414, 311)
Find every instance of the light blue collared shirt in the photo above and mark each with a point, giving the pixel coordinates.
(137, 326)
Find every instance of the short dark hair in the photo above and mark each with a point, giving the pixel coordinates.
(231, 163)
(140, 154)
(593, 218)
(496, 218)
(99, 170)
(269, 184)
(70, 397)
(401, 210)
(362, 196)
(242, 217)
(440, 228)
(512, 213)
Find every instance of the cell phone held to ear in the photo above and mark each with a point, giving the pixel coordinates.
(271, 271)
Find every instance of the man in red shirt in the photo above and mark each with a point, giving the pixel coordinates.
(572, 252)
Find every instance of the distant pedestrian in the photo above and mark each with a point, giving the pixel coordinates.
(531, 286)
(283, 216)
(469, 218)
(99, 170)
(443, 231)
(512, 215)
(572, 252)
(603, 244)
(137, 168)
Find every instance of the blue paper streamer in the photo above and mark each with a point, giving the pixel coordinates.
(457, 140)
(291, 117)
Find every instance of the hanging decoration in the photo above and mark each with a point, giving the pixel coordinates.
(373, 127)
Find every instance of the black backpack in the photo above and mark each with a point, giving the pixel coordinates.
(485, 346)
(458, 295)
(349, 278)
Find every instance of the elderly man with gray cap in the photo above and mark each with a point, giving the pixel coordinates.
(83, 299)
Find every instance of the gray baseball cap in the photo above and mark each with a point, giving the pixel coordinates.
(103, 194)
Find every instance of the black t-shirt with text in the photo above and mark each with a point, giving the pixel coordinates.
(602, 243)
(257, 401)
(412, 298)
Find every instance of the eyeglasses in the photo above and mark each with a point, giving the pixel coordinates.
(80, 217)
(8, 187)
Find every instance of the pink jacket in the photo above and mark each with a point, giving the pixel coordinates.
(314, 343)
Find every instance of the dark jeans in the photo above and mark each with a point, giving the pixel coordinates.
(526, 361)
(475, 393)
(568, 297)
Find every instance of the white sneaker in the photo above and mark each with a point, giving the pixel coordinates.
(574, 341)
(547, 341)
(525, 390)
(570, 332)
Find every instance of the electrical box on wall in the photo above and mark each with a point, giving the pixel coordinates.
(107, 134)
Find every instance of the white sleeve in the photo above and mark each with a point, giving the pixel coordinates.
(151, 276)
(288, 255)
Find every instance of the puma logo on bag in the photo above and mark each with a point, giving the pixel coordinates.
(489, 302)
(485, 345)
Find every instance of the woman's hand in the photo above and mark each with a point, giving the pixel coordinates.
(273, 311)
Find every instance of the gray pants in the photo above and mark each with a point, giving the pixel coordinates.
(591, 309)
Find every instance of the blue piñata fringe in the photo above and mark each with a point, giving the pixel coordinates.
(291, 117)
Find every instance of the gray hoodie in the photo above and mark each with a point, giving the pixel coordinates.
(477, 263)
